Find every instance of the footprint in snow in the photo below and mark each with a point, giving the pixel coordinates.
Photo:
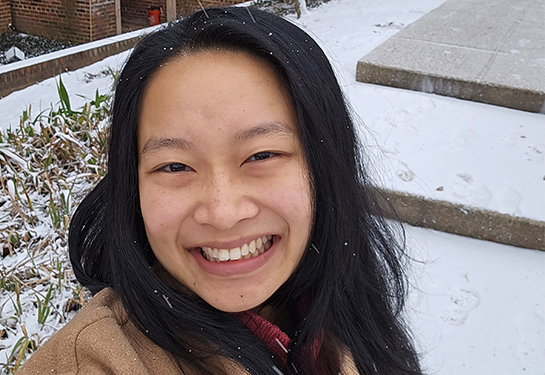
(464, 186)
(406, 176)
(535, 153)
(467, 299)
(405, 173)
(463, 137)
(508, 200)
(454, 316)
(463, 301)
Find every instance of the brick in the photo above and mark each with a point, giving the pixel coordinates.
(69, 20)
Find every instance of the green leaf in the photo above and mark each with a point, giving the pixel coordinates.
(63, 96)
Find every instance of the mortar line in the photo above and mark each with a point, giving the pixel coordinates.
(502, 43)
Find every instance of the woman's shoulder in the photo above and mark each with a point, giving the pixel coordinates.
(348, 367)
(99, 339)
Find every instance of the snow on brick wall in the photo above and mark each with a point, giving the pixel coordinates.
(186, 7)
(77, 21)
(5, 15)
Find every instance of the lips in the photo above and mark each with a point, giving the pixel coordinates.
(248, 250)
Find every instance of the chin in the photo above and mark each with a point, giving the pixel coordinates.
(241, 301)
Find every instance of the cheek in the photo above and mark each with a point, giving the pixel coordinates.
(290, 197)
(296, 205)
(297, 193)
(160, 212)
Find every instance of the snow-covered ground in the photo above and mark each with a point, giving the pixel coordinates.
(442, 148)
(477, 307)
(480, 306)
(81, 85)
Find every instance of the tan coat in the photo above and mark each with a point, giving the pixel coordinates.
(102, 340)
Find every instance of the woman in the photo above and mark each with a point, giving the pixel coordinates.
(235, 231)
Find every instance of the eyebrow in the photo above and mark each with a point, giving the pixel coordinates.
(156, 143)
(264, 129)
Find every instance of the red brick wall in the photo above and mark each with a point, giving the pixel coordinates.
(103, 18)
(80, 21)
(5, 15)
(136, 11)
(20, 78)
(66, 20)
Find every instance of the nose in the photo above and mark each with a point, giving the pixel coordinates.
(224, 202)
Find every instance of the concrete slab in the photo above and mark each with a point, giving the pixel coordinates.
(467, 23)
(429, 58)
(490, 51)
(525, 73)
(526, 36)
(462, 220)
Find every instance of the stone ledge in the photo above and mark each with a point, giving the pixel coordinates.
(485, 51)
(25, 76)
(462, 220)
(505, 96)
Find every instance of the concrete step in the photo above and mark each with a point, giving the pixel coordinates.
(490, 51)
(463, 220)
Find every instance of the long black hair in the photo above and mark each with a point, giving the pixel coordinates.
(351, 276)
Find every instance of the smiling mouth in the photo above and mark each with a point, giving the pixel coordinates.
(247, 251)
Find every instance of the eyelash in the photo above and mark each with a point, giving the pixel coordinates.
(256, 157)
(168, 168)
(263, 155)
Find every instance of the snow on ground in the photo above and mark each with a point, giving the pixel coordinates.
(448, 149)
(442, 148)
(77, 48)
(43, 95)
(479, 308)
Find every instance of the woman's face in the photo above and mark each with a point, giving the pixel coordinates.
(223, 182)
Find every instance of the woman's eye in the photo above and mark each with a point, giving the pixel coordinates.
(176, 167)
(262, 156)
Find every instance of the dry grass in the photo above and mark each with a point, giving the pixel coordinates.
(47, 165)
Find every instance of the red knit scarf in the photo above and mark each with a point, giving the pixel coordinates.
(275, 339)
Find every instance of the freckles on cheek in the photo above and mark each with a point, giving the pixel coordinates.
(155, 210)
(292, 196)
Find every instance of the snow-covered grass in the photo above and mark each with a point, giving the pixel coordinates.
(47, 165)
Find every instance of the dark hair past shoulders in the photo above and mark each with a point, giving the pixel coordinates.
(351, 275)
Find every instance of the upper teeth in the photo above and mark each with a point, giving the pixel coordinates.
(246, 251)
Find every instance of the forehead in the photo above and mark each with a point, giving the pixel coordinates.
(212, 92)
(204, 68)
